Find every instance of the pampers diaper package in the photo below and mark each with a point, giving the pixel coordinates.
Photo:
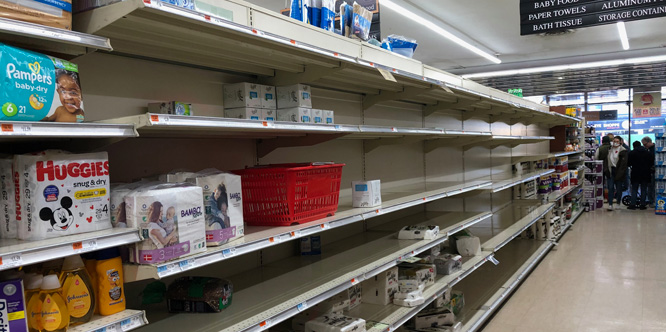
(170, 219)
(8, 225)
(36, 87)
(223, 205)
(61, 194)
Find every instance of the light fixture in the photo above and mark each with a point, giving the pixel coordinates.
(584, 65)
(560, 78)
(437, 29)
(622, 30)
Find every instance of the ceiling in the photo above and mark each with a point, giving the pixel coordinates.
(493, 26)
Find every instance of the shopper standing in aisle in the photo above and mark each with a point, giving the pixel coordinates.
(641, 163)
(617, 170)
(649, 145)
(602, 154)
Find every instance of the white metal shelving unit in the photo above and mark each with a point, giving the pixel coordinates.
(32, 130)
(123, 321)
(14, 253)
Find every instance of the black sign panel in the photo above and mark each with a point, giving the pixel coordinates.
(575, 21)
(553, 14)
(531, 6)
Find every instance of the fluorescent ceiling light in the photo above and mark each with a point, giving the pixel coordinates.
(584, 65)
(622, 30)
(437, 29)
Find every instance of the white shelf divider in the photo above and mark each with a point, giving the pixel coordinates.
(123, 321)
(263, 305)
(15, 253)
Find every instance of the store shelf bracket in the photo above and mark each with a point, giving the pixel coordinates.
(266, 146)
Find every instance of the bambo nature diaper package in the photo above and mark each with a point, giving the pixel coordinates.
(58, 194)
(170, 219)
(223, 205)
(36, 87)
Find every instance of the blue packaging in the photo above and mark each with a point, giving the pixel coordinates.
(315, 12)
(327, 21)
(311, 245)
(346, 15)
(296, 10)
(361, 22)
(402, 45)
(660, 206)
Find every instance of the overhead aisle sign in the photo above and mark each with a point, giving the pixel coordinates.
(553, 15)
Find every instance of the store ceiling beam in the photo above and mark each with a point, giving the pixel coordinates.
(264, 147)
(310, 74)
(384, 96)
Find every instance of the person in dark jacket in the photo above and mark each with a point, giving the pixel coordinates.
(649, 145)
(602, 154)
(641, 162)
(617, 169)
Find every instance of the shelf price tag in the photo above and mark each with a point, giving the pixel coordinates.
(187, 264)
(130, 323)
(165, 269)
(226, 253)
(296, 233)
(386, 74)
(10, 261)
(84, 246)
(265, 324)
(15, 129)
(493, 260)
(302, 306)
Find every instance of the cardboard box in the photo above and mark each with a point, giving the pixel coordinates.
(418, 232)
(268, 115)
(366, 193)
(443, 300)
(335, 323)
(355, 295)
(329, 117)
(244, 113)
(423, 273)
(296, 114)
(381, 289)
(268, 97)
(434, 317)
(171, 107)
(409, 302)
(409, 285)
(297, 95)
(242, 95)
(317, 116)
(12, 306)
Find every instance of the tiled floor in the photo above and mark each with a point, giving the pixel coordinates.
(607, 274)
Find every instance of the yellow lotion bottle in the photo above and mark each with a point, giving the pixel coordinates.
(55, 317)
(78, 291)
(33, 285)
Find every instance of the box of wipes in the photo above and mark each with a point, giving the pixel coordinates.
(297, 95)
(296, 114)
(244, 113)
(366, 194)
(242, 95)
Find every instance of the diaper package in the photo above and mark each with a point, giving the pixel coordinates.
(118, 193)
(297, 95)
(381, 288)
(433, 317)
(171, 107)
(361, 22)
(176, 176)
(417, 232)
(327, 15)
(244, 113)
(346, 16)
(170, 218)
(8, 225)
(57, 13)
(242, 95)
(61, 194)
(37, 87)
(223, 205)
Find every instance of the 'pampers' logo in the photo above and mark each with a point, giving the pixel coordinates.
(235, 196)
(194, 212)
(32, 76)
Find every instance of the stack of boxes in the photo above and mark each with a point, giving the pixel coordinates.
(593, 185)
(560, 178)
(294, 104)
(250, 101)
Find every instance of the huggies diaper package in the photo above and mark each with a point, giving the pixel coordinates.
(170, 219)
(223, 205)
(37, 87)
(8, 225)
(61, 194)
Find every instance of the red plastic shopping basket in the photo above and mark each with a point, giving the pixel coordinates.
(288, 194)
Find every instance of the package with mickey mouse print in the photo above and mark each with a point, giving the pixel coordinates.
(58, 193)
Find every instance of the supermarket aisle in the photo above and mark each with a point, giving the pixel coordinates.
(607, 274)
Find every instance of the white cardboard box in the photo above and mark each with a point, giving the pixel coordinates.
(418, 232)
(355, 296)
(297, 95)
(335, 323)
(171, 107)
(329, 117)
(409, 302)
(244, 113)
(242, 95)
(409, 285)
(317, 116)
(268, 115)
(296, 114)
(366, 194)
(434, 317)
(381, 288)
(268, 97)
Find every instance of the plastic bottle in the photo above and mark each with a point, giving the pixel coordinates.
(91, 264)
(77, 289)
(33, 284)
(110, 281)
(55, 316)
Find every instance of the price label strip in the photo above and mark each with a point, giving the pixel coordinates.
(84, 246)
(166, 269)
(226, 253)
(16, 129)
(10, 261)
(131, 323)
